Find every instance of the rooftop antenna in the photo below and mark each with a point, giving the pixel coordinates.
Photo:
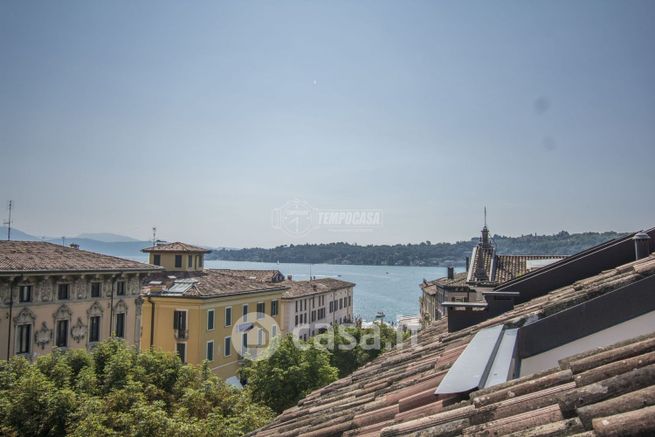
(8, 222)
(154, 236)
(485, 215)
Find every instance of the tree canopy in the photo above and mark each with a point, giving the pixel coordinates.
(417, 254)
(115, 391)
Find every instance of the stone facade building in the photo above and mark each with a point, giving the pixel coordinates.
(53, 296)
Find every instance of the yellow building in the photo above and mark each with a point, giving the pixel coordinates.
(206, 314)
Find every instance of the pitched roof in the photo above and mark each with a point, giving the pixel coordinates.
(509, 267)
(394, 394)
(315, 286)
(39, 256)
(176, 247)
(430, 287)
(208, 283)
(257, 275)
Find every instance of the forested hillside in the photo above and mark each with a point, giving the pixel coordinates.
(425, 253)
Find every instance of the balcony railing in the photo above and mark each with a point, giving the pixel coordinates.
(181, 334)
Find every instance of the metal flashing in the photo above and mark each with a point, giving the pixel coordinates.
(502, 360)
(470, 370)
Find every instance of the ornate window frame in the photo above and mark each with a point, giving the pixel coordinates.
(24, 317)
(95, 310)
(63, 313)
(120, 307)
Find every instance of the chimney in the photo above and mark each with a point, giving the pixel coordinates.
(451, 272)
(467, 263)
(642, 245)
(74, 246)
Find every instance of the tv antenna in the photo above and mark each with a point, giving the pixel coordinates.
(154, 236)
(8, 221)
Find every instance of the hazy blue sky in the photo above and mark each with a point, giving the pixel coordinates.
(201, 117)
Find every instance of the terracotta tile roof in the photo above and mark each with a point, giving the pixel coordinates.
(484, 256)
(211, 283)
(600, 391)
(39, 256)
(175, 247)
(257, 275)
(430, 287)
(509, 267)
(315, 286)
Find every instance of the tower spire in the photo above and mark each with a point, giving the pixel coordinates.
(485, 215)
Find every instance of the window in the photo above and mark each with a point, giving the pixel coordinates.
(181, 351)
(190, 261)
(261, 309)
(200, 260)
(274, 331)
(94, 329)
(156, 260)
(245, 313)
(313, 315)
(228, 316)
(62, 333)
(178, 261)
(24, 339)
(313, 302)
(96, 289)
(296, 306)
(120, 288)
(296, 320)
(227, 347)
(210, 350)
(179, 323)
(244, 343)
(120, 325)
(260, 337)
(63, 291)
(210, 320)
(25, 293)
(274, 305)
(341, 303)
(331, 306)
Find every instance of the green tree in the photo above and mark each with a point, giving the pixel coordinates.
(115, 391)
(289, 373)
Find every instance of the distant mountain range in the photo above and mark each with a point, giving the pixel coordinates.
(107, 243)
(101, 242)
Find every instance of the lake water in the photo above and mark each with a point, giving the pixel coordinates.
(392, 289)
